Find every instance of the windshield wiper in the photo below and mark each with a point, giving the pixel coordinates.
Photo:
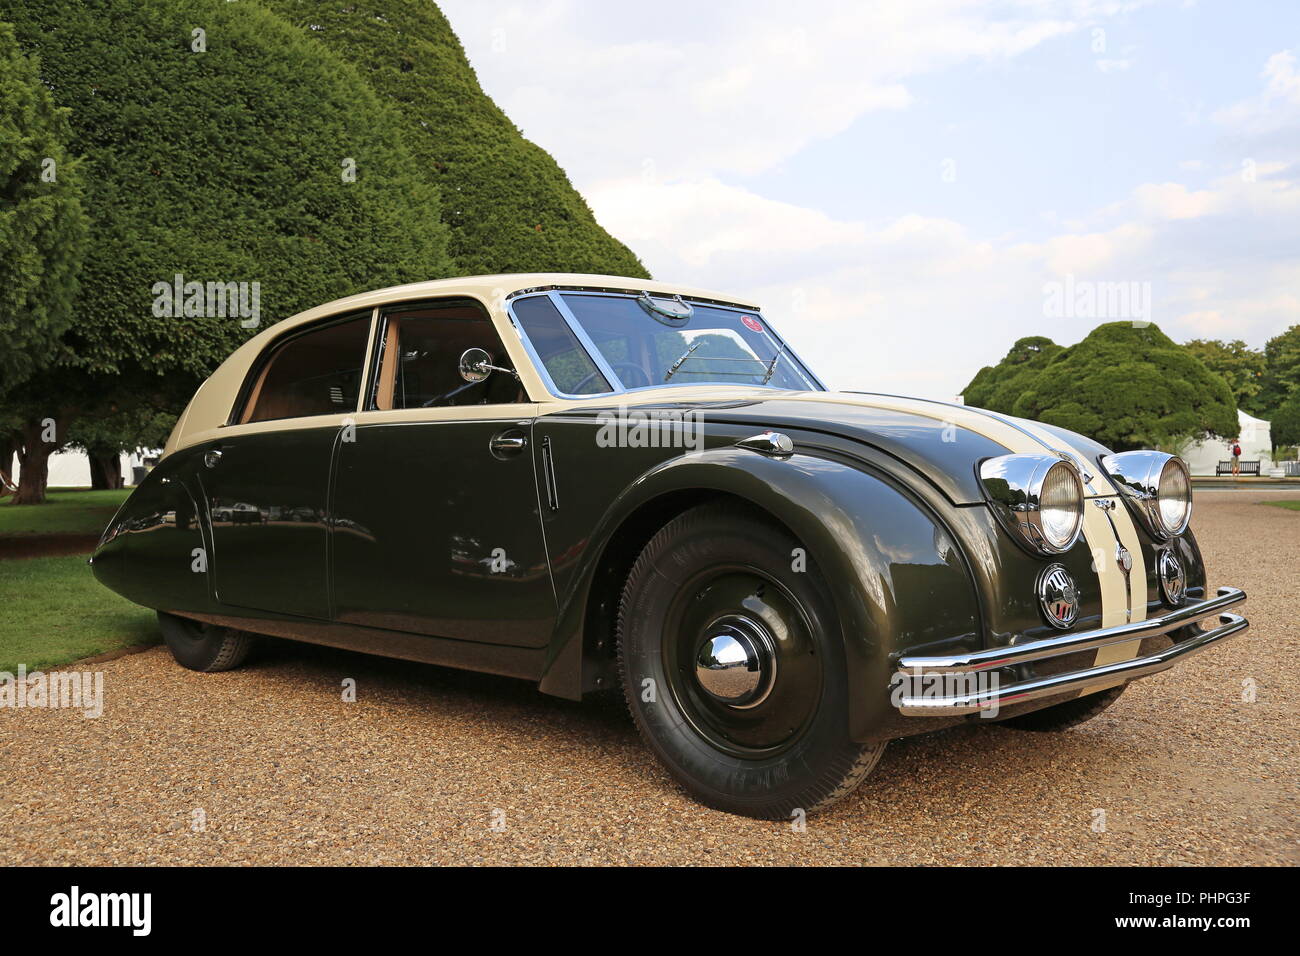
(684, 356)
(771, 368)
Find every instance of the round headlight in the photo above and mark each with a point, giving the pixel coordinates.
(1174, 497)
(1038, 497)
(1157, 487)
(1061, 506)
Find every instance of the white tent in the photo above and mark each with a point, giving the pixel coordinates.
(1256, 445)
(71, 469)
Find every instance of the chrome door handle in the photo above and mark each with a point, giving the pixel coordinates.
(505, 444)
(212, 458)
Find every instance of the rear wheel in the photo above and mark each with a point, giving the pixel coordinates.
(732, 666)
(1068, 714)
(204, 647)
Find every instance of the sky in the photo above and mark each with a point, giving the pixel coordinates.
(908, 187)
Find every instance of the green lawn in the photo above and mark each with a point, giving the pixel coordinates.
(1289, 505)
(66, 511)
(53, 611)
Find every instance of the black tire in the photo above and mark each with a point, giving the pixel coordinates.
(204, 647)
(784, 749)
(1065, 715)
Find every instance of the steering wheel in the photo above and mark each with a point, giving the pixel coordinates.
(637, 370)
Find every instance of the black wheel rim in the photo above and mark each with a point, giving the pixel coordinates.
(749, 711)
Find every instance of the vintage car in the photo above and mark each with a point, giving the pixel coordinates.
(592, 482)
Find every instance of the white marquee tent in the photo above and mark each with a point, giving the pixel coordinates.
(1256, 445)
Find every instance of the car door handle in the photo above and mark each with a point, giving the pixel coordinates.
(507, 443)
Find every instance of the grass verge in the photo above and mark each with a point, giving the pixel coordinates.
(66, 511)
(1288, 505)
(53, 611)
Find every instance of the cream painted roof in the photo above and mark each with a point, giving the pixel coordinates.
(489, 288)
(211, 404)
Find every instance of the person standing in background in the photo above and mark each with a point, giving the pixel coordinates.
(1236, 458)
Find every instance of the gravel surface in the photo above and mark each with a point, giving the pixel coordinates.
(436, 766)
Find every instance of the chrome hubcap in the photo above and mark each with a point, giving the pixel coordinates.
(736, 662)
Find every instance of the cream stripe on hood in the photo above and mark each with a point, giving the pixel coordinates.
(1023, 437)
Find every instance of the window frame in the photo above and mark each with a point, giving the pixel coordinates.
(556, 295)
(260, 365)
(378, 345)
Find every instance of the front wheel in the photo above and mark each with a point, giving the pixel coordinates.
(731, 663)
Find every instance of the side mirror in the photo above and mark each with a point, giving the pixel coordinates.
(475, 365)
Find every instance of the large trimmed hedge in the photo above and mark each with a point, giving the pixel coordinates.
(223, 165)
(42, 223)
(509, 205)
(1125, 386)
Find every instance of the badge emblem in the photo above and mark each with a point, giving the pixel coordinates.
(1058, 596)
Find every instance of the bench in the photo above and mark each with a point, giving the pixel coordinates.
(1244, 468)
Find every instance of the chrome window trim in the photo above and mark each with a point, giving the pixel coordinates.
(586, 342)
(554, 293)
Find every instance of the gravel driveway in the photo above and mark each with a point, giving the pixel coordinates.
(269, 765)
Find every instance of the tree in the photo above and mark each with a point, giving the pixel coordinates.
(42, 223)
(1130, 387)
(1281, 371)
(509, 205)
(1284, 429)
(231, 150)
(42, 228)
(998, 387)
(119, 429)
(1240, 366)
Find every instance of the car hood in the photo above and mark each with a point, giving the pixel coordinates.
(944, 442)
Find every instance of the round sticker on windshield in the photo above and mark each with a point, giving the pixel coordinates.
(752, 323)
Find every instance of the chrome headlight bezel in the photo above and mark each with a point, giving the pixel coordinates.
(1013, 485)
(1137, 475)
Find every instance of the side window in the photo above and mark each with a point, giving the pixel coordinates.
(419, 365)
(314, 373)
(567, 362)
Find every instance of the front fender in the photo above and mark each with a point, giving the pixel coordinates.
(897, 576)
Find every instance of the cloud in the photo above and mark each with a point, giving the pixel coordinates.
(918, 304)
(733, 87)
(1275, 107)
(664, 114)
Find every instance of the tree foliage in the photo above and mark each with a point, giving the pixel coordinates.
(223, 164)
(1284, 429)
(1240, 366)
(42, 223)
(998, 387)
(220, 143)
(1123, 386)
(509, 205)
(1281, 370)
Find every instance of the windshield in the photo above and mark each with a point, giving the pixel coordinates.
(641, 348)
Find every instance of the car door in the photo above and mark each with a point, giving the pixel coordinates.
(436, 528)
(266, 480)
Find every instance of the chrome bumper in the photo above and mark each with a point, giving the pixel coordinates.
(980, 693)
